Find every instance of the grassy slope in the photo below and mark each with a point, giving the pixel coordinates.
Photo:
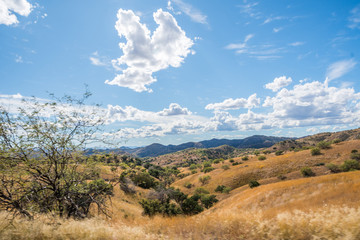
(327, 205)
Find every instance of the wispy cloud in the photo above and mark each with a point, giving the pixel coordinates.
(276, 30)
(260, 52)
(98, 60)
(271, 19)
(250, 10)
(195, 14)
(354, 19)
(340, 68)
(296, 44)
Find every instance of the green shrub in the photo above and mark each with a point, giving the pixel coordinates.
(355, 156)
(206, 164)
(333, 168)
(279, 152)
(262, 157)
(208, 200)
(245, 158)
(193, 171)
(320, 164)
(226, 190)
(208, 169)
(354, 151)
(216, 161)
(266, 151)
(231, 160)
(220, 188)
(225, 167)
(256, 152)
(188, 185)
(307, 172)
(350, 165)
(200, 191)
(193, 166)
(324, 145)
(315, 151)
(204, 179)
(253, 184)
(235, 163)
(281, 177)
(337, 140)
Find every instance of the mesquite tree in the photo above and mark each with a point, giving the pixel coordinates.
(40, 155)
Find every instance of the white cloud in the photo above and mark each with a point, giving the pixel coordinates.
(261, 52)
(313, 103)
(189, 10)
(237, 103)
(354, 19)
(98, 60)
(240, 46)
(143, 53)
(270, 19)
(19, 59)
(174, 109)
(276, 30)
(8, 9)
(296, 44)
(250, 10)
(278, 83)
(340, 68)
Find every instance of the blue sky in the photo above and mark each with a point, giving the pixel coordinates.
(179, 70)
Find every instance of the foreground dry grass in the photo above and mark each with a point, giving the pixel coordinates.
(324, 207)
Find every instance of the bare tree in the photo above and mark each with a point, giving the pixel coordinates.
(40, 154)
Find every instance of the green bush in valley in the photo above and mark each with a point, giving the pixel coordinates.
(350, 165)
(204, 179)
(355, 156)
(307, 172)
(193, 167)
(324, 145)
(201, 191)
(262, 157)
(245, 158)
(279, 152)
(220, 188)
(253, 184)
(315, 151)
(188, 185)
(225, 167)
(208, 169)
(208, 200)
(333, 168)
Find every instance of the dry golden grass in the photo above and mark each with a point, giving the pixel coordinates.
(267, 171)
(323, 207)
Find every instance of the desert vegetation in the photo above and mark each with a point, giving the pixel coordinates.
(52, 188)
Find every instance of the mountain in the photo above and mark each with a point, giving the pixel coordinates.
(156, 149)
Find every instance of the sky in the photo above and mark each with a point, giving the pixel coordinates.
(176, 71)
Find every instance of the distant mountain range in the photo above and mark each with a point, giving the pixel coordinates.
(156, 149)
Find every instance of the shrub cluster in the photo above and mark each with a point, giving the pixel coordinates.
(222, 189)
(307, 172)
(171, 202)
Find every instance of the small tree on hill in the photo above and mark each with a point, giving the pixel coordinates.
(40, 151)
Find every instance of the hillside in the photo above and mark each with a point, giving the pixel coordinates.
(286, 205)
(312, 140)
